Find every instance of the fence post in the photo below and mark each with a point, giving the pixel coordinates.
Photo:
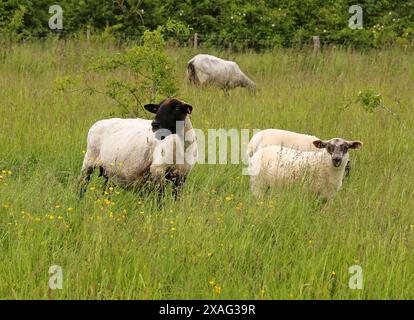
(88, 34)
(316, 44)
(195, 40)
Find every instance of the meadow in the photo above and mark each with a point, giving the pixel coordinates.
(218, 242)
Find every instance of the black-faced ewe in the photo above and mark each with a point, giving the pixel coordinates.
(323, 169)
(204, 68)
(130, 152)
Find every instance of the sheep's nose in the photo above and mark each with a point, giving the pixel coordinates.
(155, 125)
(336, 162)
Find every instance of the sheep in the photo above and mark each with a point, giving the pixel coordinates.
(289, 139)
(204, 68)
(131, 152)
(278, 165)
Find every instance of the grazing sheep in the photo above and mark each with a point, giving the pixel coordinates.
(288, 139)
(204, 68)
(130, 152)
(278, 165)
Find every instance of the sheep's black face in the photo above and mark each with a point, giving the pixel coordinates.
(169, 116)
(337, 148)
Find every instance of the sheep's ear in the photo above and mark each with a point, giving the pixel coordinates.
(354, 144)
(188, 108)
(153, 108)
(319, 144)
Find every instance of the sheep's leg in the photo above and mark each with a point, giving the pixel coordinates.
(226, 89)
(256, 187)
(84, 180)
(103, 174)
(178, 187)
(347, 169)
(161, 192)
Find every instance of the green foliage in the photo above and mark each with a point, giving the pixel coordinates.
(151, 72)
(236, 23)
(369, 100)
(12, 28)
(63, 83)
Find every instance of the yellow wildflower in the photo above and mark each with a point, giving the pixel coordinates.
(217, 289)
(70, 209)
(262, 292)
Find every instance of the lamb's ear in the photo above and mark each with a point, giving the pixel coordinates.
(153, 108)
(188, 108)
(354, 144)
(319, 144)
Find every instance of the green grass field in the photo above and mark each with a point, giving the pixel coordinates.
(218, 242)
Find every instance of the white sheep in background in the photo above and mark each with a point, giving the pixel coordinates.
(130, 152)
(278, 165)
(205, 68)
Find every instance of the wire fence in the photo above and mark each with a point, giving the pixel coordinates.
(235, 42)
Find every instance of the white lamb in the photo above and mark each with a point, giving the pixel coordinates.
(205, 68)
(130, 152)
(324, 169)
(288, 139)
(278, 137)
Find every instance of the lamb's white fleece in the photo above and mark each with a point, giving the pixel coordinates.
(128, 150)
(276, 165)
(224, 73)
(278, 137)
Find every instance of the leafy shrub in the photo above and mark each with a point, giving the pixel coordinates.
(237, 23)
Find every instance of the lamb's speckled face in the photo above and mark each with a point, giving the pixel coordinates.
(337, 148)
(168, 114)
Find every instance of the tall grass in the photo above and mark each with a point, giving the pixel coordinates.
(218, 242)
